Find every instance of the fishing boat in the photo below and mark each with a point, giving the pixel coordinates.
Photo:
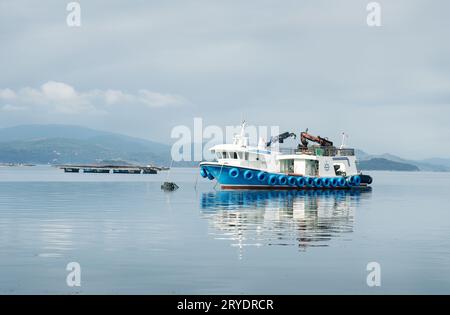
(321, 165)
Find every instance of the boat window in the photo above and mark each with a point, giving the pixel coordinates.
(339, 169)
(219, 155)
(235, 155)
(240, 155)
(246, 156)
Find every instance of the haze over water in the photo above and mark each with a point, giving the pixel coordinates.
(130, 237)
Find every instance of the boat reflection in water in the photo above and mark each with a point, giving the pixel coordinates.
(286, 218)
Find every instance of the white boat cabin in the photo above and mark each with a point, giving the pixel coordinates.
(306, 161)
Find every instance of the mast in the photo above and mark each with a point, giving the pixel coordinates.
(344, 137)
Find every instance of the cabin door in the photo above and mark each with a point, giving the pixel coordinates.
(287, 166)
(312, 168)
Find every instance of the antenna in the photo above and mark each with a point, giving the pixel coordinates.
(344, 137)
(242, 118)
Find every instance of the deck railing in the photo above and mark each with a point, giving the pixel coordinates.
(345, 152)
(319, 151)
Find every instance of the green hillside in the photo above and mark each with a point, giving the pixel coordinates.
(380, 164)
(59, 144)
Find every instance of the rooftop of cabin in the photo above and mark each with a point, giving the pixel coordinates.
(309, 150)
(319, 151)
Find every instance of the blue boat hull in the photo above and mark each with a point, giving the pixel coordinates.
(233, 177)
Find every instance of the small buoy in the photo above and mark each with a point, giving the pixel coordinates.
(248, 174)
(262, 176)
(366, 179)
(292, 180)
(234, 172)
(272, 179)
(349, 180)
(318, 182)
(282, 180)
(169, 186)
(341, 182)
(203, 172)
(356, 180)
(309, 181)
(334, 182)
(301, 182)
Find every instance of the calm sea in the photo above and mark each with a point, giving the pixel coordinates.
(130, 237)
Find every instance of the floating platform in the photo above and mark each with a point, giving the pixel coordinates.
(71, 170)
(148, 170)
(96, 170)
(127, 171)
(114, 169)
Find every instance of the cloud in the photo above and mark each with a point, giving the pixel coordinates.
(143, 97)
(63, 98)
(296, 64)
(12, 108)
(115, 96)
(7, 94)
(58, 91)
(153, 99)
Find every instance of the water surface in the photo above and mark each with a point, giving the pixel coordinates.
(130, 237)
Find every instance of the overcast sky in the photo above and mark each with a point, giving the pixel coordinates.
(143, 67)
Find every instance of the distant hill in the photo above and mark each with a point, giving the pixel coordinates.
(361, 155)
(34, 132)
(60, 144)
(437, 161)
(380, 164)
(65, 144)
(431, 165)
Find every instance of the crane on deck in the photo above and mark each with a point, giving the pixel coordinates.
(280, 138)
(305, 137)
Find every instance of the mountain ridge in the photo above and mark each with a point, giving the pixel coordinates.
(57, 144)
(381, 164)
(422, 165)
(64, 144)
